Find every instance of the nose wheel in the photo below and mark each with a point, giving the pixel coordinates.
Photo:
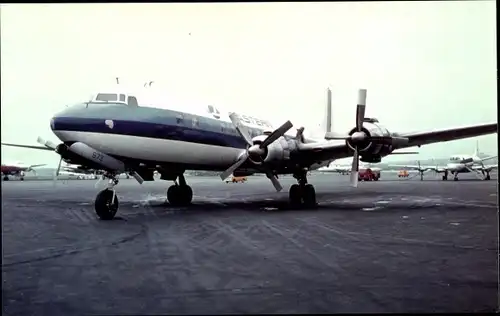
(106, 202)
(302, 193)
(180, 194)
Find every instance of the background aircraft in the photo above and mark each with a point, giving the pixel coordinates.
(458, 164)
(113, 133)
(17, 169)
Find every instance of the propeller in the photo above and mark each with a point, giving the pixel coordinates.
(256, 151)
(361, 137)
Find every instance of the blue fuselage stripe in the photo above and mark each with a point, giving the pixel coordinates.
(151, 123)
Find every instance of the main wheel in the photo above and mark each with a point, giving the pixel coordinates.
(295, 195)
(104, 207)
(487, 177)
(309, 195)
(22, 179)
(5, 178)
(445, 178)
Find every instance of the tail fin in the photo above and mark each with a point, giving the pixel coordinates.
(329, 111)
(476, 151)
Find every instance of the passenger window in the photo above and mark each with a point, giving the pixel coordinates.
(132, 101)
(122, 97)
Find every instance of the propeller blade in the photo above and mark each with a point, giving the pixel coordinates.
(355, 169)
(476, 173)
(240, 128)
(235, 166)
(280, 131)
(360, 109)
(56, 173)
(275, 182)
(300, 134)
(270, 175)
(47, 143)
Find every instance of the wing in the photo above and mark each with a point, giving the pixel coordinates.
(485, 168)
(411, 167)
(29, 146)
(423, 168)
(310, 153)
(39, 165)
(444, 135)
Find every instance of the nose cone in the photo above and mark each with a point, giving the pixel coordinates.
(64, 121)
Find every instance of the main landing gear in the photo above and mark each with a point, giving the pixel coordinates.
(302, 193)
(180, 194)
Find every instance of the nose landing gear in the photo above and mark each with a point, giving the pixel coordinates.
(106, 202)
(180, 194)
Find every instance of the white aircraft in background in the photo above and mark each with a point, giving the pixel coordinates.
(17, 169)
(458, 164)
(125, 131)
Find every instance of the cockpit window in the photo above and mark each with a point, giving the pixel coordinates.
(122, 97)
(132, 101)
(107, 97)
(455, 159)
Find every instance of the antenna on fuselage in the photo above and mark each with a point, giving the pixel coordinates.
(117, 80)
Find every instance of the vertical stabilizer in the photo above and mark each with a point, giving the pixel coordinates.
(476, 151)
(329, 111)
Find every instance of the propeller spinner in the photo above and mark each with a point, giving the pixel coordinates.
(256, 151)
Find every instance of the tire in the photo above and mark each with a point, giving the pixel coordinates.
(295, 195)
(309, 195)
(103, 207)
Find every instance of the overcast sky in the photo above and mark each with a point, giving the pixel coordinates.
(425, 64)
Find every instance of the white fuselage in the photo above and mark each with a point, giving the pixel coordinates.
(147, 148)
(461, 163)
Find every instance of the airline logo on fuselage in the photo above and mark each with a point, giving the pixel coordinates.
(254, 121)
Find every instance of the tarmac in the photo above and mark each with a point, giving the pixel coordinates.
(389, 246)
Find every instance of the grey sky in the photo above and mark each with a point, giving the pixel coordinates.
(425, 64)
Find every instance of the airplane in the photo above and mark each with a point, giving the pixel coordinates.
(115, 133)
(17, 169)
(342, 169)
(458, 164)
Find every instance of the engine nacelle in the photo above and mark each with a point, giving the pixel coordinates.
(369, 149)
(279, 150)
(80, 153)
(371, 158)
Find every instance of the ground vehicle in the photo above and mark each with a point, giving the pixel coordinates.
(403, 174)
(234, 179)
(368, 175)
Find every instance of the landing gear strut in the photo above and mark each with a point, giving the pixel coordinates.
(180, 194)
(302, 192)
(106, 202)
(445, 176)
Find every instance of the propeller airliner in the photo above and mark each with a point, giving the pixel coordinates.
(125, 131)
